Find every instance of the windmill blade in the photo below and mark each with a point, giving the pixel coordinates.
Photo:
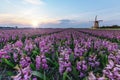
(96, 18)
(100, 20)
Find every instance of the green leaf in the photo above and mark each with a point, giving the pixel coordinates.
(9, 73)
(64, 76)
(38, 74)
(32, 66)
(69, 77)
(74, 70)
(89, 68)
(50, 60)
(85, 78)
(72, 57)
(37, 49)
(103, 59)
(57, 54)
(44, 76)
(35, 52)
(55, 63)
(75, 73)
(8, 63)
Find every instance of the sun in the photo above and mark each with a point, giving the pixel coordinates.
(35, 24)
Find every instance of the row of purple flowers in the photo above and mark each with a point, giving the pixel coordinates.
(65, 55)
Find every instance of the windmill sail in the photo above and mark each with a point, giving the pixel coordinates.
(95, 18)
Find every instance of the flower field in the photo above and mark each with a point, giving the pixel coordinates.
(59, 54)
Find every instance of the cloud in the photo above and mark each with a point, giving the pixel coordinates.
(66, 23)
(22, 21)
(11, 19)
(35, 2)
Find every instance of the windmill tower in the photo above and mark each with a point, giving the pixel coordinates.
(96, 23)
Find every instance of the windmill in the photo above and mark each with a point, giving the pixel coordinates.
(96, 23)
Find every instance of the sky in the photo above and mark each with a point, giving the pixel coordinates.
(58, 13)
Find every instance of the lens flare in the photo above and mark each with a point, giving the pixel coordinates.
(35, 24)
